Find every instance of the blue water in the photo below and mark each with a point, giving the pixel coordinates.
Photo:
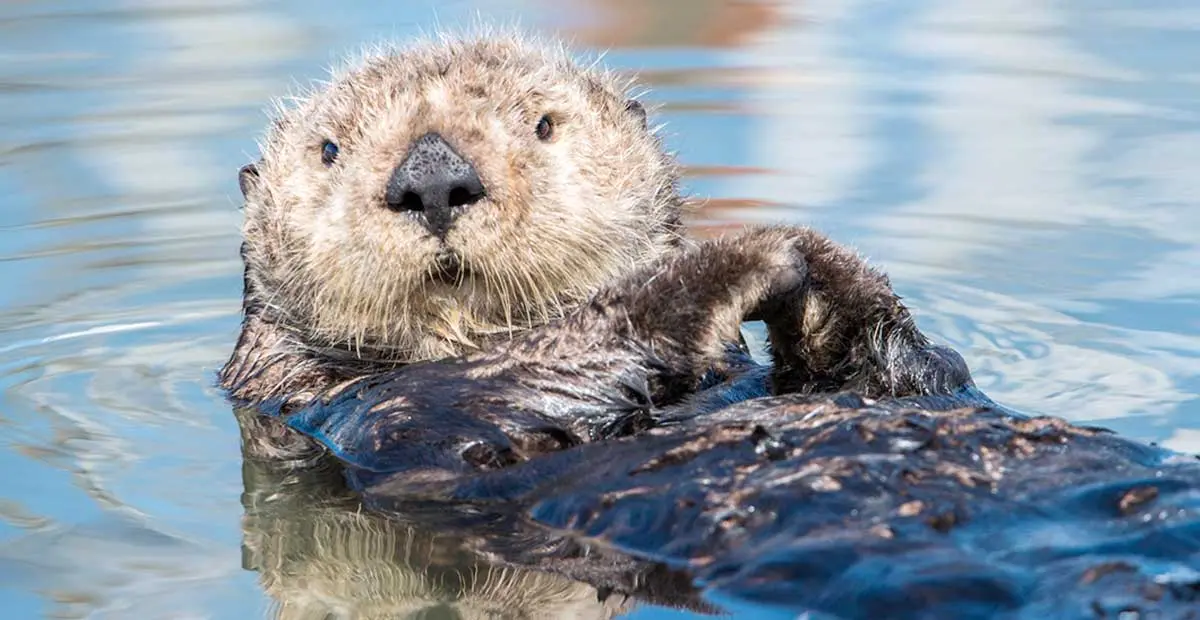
(1028, 172)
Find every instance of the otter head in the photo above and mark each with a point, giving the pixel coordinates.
(426, 198)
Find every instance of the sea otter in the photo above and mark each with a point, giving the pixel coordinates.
(465, 276)
(433, 201)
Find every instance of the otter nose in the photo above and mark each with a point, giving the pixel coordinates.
(435, 183)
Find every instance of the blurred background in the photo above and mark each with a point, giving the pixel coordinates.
(1028, 172)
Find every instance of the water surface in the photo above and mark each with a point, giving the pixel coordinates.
(1027, 172)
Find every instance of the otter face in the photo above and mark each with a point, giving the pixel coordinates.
(428, 197)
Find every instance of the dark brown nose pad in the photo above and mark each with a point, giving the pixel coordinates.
(434, 183)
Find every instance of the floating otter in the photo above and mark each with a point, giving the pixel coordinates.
(465, 277)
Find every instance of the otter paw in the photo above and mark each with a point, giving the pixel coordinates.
(781, 252)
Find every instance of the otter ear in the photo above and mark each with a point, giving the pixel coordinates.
(248, 178)
(634, 107)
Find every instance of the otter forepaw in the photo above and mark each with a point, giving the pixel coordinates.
(787, 273)
(836, 324)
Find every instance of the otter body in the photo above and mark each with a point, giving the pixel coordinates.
(466, 280)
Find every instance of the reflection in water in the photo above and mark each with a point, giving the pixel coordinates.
(1025, 170)
(318, 556)
(341, 564)
(318, 553)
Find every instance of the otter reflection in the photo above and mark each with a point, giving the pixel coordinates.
(320, 554)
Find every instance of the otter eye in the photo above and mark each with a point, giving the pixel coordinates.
(545, 128)
(329, 152)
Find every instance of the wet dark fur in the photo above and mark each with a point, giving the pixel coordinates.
(646, 342)
(900, 509)
(877, 481)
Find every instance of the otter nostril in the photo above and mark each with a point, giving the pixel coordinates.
(409, 201)
(462, 196)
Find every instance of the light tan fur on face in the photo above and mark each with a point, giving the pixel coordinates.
(335, 266)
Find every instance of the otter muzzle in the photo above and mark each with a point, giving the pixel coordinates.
(434, 183)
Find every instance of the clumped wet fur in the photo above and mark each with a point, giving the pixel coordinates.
(626, 361)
